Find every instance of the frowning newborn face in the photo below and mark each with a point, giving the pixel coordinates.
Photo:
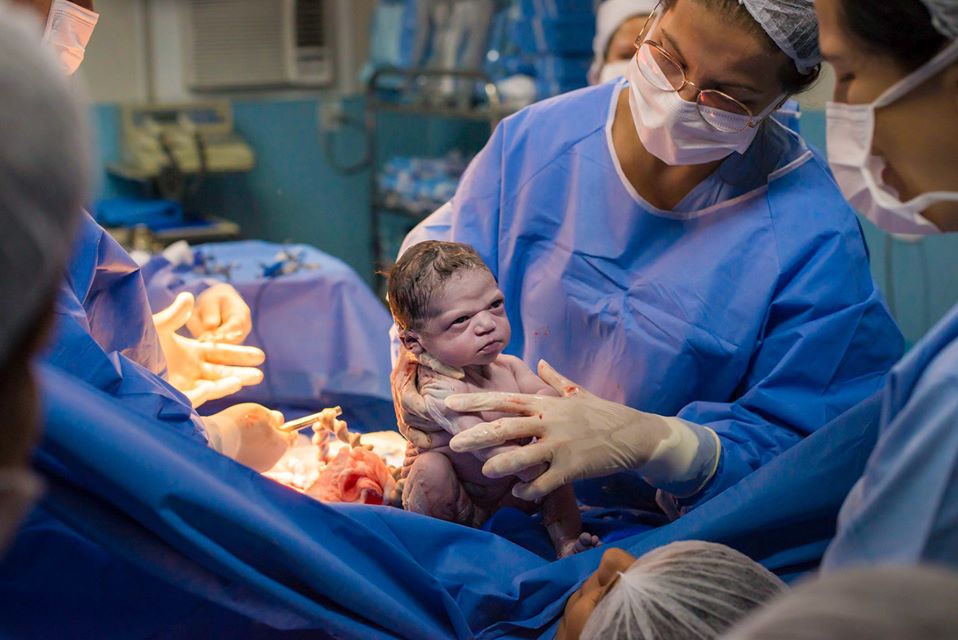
(467, 323)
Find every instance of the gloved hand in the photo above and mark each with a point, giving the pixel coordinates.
(415, 424)
(220, 315)
(248, 433)
(582, 436)
(203, 370)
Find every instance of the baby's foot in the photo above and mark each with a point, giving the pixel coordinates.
(584, 542)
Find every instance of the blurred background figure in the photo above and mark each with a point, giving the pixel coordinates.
(885, 603)
(617, 24)
(44, 175)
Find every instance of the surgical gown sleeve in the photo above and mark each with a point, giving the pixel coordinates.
(104, 333)
(904, 508)
(827, 343)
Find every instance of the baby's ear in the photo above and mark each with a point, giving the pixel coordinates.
(410, 340)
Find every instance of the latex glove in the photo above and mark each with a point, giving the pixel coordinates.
(203, 370)
(248, 433)
(221, 315)
(582, 436)
(413, 419)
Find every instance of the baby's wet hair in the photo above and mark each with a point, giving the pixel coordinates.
(420, 273)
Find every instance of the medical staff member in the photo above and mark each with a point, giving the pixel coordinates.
(106, 334)
(617, 24)
(44, 165)
(688, 261)
(893, 145)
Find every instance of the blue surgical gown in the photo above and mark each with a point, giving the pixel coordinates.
(104, 333)
(904, 509)
(748, 308)
(145, 533)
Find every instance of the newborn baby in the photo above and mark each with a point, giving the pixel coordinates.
(448, 309)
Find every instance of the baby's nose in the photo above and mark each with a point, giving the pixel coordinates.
(485, 323)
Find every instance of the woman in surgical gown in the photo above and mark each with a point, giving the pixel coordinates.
(893, 137)
(677, 253)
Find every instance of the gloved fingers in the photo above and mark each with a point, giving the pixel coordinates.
(209, 313)
(276, 418)
(231, 354)
(247, 376)
(519, 403)
(557, 381)
(519, 459)
(216, 389)
(176, 315)
(233, 331)
(540, 487)
(409, 403)
(221, 316)
(202, 391)
(492, 434)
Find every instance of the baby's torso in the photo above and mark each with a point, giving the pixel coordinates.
(434, 389)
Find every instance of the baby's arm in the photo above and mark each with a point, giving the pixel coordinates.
(527, 380)
(434, 389)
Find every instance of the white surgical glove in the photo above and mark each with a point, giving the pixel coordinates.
(248, 433)
(582, 436)
(221, 315)
(415, 422)
(203, 370)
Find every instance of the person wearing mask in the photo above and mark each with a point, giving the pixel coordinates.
(106, 334)
(892, 143)
(44, 169)
(688, 261)
(617, 24)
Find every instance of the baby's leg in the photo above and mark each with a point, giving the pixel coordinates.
(432, 488)
(560, 515)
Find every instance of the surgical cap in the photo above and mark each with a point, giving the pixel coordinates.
(43, 173)
(792, 25)
(878, 603)
(609, 17)
(683, 591)
(944, 15)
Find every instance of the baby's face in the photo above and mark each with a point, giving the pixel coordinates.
(468, 324)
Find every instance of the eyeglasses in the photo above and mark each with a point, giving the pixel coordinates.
(720, 110)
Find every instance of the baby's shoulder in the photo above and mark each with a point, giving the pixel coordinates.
(511, 362)
(436, 385)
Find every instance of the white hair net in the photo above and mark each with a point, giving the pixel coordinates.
(43, 173)
(792, 25)
(944, 15)
(683, 591)
(879, 603)
(609, 17)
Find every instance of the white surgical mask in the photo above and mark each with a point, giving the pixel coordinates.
(672, 129)
(19, 489)
(613, 70)
(851, 131)
(68, 31)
